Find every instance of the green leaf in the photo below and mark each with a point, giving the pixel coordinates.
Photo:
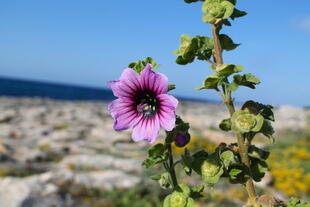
(226, 22)
(227, 43)
(187, 161)
(190, 202)
(258, 153)
(228, 158)
(167, 201)
(171, 87)
(233, 173)
(247, 80)
(258, 169)
(225, 125)
(232, 86)
(295, 202)
(267, 130)
(259, 123)
(237, 13)
(228, 69)
(210, 82)
(198, 189)
(229, 9)
(187, 50)
(141, 64)
(211, 169)
(258, 108)
(183, 61)
(185, 42)
(156, 150)
(184, 189)
(151, 161)
(163, 179)
(198, 159)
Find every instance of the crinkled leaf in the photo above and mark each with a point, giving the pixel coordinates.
(258, 169)
(163, 179)
(196, 191)
(184, 189)
(267, 130)
(259, 123)
(228, 158)
(228, 69)
(151, 161)
(185, 42)
(225, 125)
(247, 80)
(167, 201)
(198, 159)
(229, 9)
(157, 149)
(187, 161)
(258, 108)
(232, 86)
(227, 43)
(210, 82)
(183, 61)
(258, 153)
(295, 202)
(190, 202)
(211, 169)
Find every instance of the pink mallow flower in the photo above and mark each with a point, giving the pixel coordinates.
(143, 104)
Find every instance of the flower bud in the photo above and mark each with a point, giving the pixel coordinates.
(244, 121)
(209, 168)
(181, 139)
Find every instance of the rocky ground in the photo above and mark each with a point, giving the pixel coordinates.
(50, 148)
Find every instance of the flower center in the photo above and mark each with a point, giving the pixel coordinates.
(147, 104)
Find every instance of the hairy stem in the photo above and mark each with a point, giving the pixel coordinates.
(243, 148)
(171, 168)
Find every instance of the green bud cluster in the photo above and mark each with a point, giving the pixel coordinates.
(140, 64)
(217, 10)
(182, 196)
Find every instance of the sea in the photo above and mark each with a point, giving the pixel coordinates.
(32, 88)
(29, 88)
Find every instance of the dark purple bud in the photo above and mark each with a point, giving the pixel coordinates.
(181, 139)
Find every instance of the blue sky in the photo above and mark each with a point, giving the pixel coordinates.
(90, 42)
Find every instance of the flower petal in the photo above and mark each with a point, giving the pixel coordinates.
(131, 78)
(166, 114)
(120, 89)
(147, 128)
(123, 113)
(128, 84)
(156, 82)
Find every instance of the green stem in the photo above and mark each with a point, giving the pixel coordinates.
(171, 168)
(243, 147)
